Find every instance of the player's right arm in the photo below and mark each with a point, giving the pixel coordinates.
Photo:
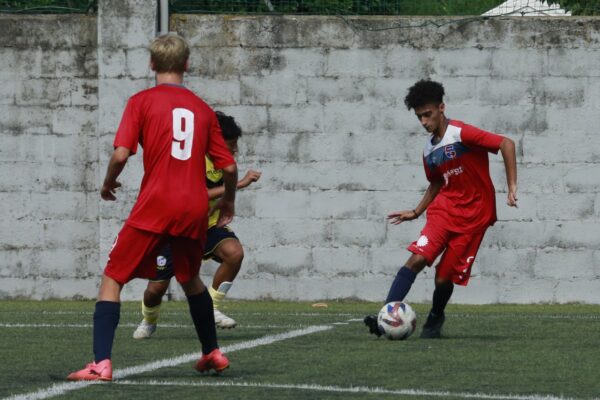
(125, 144)
(115, 167)
(433, 189)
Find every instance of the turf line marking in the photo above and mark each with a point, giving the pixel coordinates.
(580, 316)
(62, 388)
(132, 325)
(351, 389)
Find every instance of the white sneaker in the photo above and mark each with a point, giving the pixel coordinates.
(144, 330)
(223, 321)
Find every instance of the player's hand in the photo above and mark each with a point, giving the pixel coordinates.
(398, 217)
(250, 177)
(512, 196)
(227, 211)
(109, 189)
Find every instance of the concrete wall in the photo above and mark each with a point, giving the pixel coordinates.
(320, 101)
(48, 156)
(322, 104)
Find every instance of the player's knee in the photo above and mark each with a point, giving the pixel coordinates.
(233, 254)
(416, 263)
(156, 289)
(441, 281)
(193, 286)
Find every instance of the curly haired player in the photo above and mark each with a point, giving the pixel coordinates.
(460, 201)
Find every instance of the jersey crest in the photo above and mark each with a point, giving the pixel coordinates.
(449, 148)
(449, 151)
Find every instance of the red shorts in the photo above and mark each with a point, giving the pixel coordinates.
(459, 255)
(134, 253)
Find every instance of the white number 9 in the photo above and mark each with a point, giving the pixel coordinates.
(183, 132)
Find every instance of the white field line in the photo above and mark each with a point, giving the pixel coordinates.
(324, 314)
(62, 388)
(291, 314)
(351, 389)
(131, 325)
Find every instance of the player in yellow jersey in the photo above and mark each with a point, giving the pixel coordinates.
(222, 245)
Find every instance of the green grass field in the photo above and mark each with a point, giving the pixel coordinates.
(488, 352)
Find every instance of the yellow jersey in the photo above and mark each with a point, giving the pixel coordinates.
(214, 178)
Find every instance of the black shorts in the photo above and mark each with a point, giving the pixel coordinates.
(214, 237)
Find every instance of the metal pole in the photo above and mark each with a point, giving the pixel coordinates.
(163, 13)
(269, 5)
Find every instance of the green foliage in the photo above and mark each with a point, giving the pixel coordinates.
(579, 7)
(344, 7)
(46, 6)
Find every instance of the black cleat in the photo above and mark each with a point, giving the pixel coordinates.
(371, 322)
(433, 327)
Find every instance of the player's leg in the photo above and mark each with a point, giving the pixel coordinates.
(432, 328)
(399, 288)
(406, 277)
(106, 319)
(187, 256)
(130, 249)
(425, 250)
(453, 268)
(155, 290)
(151, 308)
(229, 252)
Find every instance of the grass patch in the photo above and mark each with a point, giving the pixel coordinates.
(502, 349)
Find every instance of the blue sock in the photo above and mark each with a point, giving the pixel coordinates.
(106, 319)
(401, 285)
(202, 311)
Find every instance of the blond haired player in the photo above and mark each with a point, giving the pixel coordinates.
(176, 129)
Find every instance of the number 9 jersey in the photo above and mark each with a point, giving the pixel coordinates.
(176, 130)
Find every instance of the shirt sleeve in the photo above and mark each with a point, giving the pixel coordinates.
(473, 136)
(217, 149)
(129, 132)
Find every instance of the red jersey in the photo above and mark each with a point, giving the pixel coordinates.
(176, 129)
(466, 202)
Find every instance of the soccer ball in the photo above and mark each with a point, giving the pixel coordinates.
(397, 320)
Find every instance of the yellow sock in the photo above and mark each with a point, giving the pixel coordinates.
(217, 297)
(150, 313)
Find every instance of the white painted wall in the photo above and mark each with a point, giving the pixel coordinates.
(322, 109)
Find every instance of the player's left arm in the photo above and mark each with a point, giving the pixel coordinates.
(250, 177)
(507, 148)
(226, 203)
(473, 136)
(223, 160)
(115, 167)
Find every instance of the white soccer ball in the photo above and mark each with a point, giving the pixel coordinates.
(397, 320)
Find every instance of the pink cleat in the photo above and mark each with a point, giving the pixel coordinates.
(93, 372)
(213, 360)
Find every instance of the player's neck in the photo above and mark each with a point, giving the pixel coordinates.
(169, 78)
(439, 133)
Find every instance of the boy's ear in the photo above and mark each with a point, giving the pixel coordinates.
(442, 107)
(152, 66)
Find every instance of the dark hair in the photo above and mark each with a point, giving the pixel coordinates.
(424, 92)
(231, 130)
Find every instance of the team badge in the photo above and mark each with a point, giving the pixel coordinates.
(449, 151)
(423, 241)
(161, 261)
